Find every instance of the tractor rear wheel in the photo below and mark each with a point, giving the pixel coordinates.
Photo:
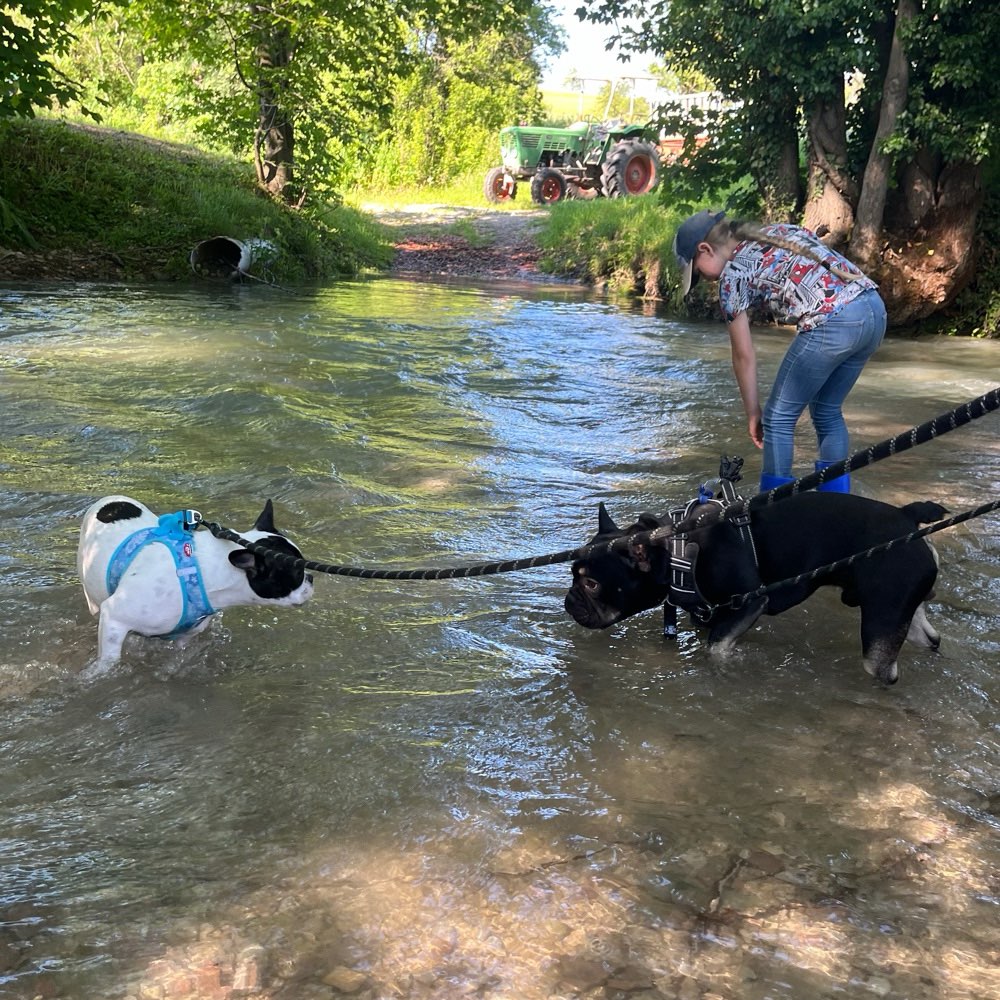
(548, 186)
(498, 186)
(632, 167)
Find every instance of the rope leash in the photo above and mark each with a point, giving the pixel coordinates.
(735, 602)
(942, 424)
(447, 573)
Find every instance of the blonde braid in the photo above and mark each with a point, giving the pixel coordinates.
(750, 231)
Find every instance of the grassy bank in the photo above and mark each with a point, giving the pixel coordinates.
(624, 245)
(143, 204)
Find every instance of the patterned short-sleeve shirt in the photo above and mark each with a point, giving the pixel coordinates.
(797, 289)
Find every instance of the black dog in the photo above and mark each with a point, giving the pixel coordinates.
(790, 537)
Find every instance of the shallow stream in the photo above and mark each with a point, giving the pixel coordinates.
(448, 789)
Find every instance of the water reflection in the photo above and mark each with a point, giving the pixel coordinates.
(447, 789)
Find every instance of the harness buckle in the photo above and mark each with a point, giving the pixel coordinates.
(192, 518)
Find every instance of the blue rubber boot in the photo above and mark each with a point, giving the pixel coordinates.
(842, 484)
(769, 482)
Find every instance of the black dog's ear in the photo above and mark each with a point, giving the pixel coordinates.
(605, 522)
(650, 556)
(265, 522)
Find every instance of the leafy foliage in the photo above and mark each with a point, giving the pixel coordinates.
(775, 58)
(30, 34)
(164, 98)
(325, 70)
(447, 113)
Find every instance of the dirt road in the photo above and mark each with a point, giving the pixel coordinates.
(445, 241)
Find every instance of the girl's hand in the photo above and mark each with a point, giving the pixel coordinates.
(755, 427)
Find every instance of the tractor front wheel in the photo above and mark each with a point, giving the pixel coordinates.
(548, 186)
(499, 186)
(632, 167)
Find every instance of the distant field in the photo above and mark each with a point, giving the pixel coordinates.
(565, 105)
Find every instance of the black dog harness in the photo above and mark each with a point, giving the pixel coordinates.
(713, 498)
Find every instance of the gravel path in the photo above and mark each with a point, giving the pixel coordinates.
(446, 241)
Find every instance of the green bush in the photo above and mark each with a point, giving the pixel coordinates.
(623, 243)
(447, 114)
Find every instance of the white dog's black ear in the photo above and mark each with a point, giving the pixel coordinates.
(266, 520)
(605, 522)
(244, 559)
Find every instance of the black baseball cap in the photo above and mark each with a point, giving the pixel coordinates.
(690, 233)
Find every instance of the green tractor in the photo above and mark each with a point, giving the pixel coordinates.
(586, 160)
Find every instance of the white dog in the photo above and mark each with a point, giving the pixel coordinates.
(159, 577)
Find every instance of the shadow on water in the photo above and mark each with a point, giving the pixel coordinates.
(449, 789)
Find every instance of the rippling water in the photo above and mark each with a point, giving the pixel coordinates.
(449, 789)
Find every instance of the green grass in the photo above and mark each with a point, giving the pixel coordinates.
(624, 244)
(463, 192)
(148, 202)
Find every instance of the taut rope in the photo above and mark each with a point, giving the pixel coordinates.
(447, 573)
(953, 419)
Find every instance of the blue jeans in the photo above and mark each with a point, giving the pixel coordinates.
(819, 370)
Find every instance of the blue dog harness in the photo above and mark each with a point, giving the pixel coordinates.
(176, 532)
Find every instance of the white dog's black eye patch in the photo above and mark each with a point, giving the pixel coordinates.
(119, 510)
(273, 579)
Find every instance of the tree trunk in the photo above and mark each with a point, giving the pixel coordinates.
(273, 149)
(783, 193)
(871, 204)
(917, 190)
(831, 192)
(274, 142)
